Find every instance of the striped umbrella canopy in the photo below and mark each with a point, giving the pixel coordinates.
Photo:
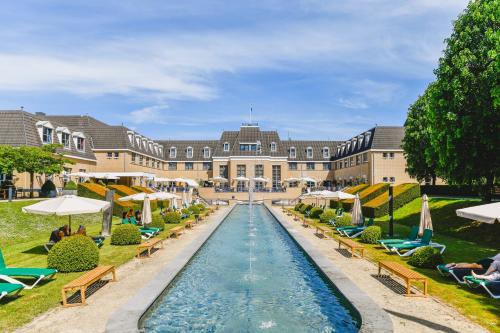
(425, 216)
(357, 214)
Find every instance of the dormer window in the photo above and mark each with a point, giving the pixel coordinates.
(45, 130)
(79, 140)
(173, 152)
(130, 135)
(293, 152)
(273, 146)
(309, 152)
(367, 136)
(138, 140)
(189, 152)
(360, 139)
(151, 147)
(145, 144)
(348, 146)
(64, 136)
(226, 146)
(326, 152)
(160, 149)
(354, 141)
(206, 152)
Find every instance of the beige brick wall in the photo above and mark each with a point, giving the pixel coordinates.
(390, 167)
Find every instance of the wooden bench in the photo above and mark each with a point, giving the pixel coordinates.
(176, 231)
(304, 222)
(405, 273)
(84, 281)
(189, 224)
(148, 245)
(354, 246)
(321, 230)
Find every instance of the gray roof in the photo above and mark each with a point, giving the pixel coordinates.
(18, 128)
(317, 146)
(182, 145)
(380, 137)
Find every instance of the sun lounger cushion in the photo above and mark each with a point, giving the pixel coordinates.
(30, 272)
(7, 288)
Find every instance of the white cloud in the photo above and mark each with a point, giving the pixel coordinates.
(352, 103)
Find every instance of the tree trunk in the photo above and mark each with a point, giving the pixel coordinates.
(434, 179)
(488, 187)
(32, 181)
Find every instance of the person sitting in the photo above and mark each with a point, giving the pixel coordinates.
(66, 231)
(138, 216)
(55, 236)
(125, 218)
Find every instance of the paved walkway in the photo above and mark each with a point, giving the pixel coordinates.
(408, 314)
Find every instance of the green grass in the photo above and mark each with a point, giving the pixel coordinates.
(21, 240)
(465, 241)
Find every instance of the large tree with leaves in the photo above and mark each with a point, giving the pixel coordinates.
(8, 159)
(419, 153)
(465, 99)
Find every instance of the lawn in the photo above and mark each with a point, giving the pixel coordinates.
(466, 241)
(21, 240)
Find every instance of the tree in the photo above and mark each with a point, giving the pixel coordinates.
(8, 158)
(465, 99)
(420, 155)
(36, 160)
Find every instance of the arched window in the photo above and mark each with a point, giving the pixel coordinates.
(293, 152)
(309, 152)
(173, 152)
(189, 152)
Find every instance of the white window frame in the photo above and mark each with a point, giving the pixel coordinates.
(172, 152)
(206, 152)
(311, 151)
(131, 137)
(327, 151)
(226, 146)
(189, 152)
(293, 152)
(274, 147)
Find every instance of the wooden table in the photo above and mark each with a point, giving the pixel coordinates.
(148, 245)
(354, 246)
(405, 273)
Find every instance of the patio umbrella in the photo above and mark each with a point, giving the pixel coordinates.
(261, 179)
(165, 196)
(337, 195)
(146, 211)
(174, 200)
(489, 213)
(425, 216)
(190, 195)
(219, 179)
(138, 197)
(67, 205)
(357, 214)
(241, 179)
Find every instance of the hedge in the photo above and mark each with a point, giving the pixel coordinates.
(367, 194)
(403, 194)
(71, 186)
(316, 212)
(96, 191)
(142, 189)
(123, 190)
(327, 215)
(356, 189)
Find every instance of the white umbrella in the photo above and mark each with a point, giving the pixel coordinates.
(138, 197)
(184, 198)
(174, 200)
(425, 216)
(241, 179)
(292, 179)
(165, 196)
(308, 180)
(190, 195)
(261, 179)
(489, 213)
(219, 179)
(146, 212)
(357, 214)
(67, 205)
(337, 195)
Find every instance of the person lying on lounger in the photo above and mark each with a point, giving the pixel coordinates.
(492, 274)
(480, 264)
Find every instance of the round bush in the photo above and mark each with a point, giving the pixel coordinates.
(126, 234)
(201, 207)
(157, 223)
(316, 212)
(343, 221)
(305, 208)
(426, 257)
(371, 234)
(327, 215)
(73, 254)
(185, 211)
(298, 206)
(48, 189)
(71, 186)
(172, 217)
(195, 210)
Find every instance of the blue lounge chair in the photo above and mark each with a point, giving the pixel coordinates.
(491, 287)
(412, 236)
(10, 288)
(9, 274)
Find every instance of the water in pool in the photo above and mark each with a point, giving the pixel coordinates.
(250, 277)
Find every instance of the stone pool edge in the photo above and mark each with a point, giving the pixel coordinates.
(373, 317)
(126, 319)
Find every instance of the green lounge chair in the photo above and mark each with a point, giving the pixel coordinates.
(10, 273)
(146, 233)
(412, 236)
(459, 273)
(9, 288)
(411, 247)
(356, 231)
(491, 287)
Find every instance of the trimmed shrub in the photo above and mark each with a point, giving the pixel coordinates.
(96, 191)
(403, 194)
(185, 211)
(305, 208)
(172, 217)
(426, 257)
(157, 222)
(201, 207)
(327, 215)
(316, 212)
(142, 189)
(356, 189)
(122, 190)
(74, 254)
(48, 189)
(298, 206)
(344, 221)
(126, 234)
(371, 234)
(195, 210)
(71, 186)
(369, 193)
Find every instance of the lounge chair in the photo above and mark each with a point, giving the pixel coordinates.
(146, 233)
(411, 247)
(10, 288)
(10, 273)
(491, 287)
(458, 273)
(356, 231)
(412, 236)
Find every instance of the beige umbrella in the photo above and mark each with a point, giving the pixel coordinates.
(425, 216)
(357, 214)
(146, 212)
(174, 200)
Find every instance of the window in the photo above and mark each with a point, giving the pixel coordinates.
(207, 165)
(360, 141)
(391, 156)
(172, 165)
(248, 147)
(259, 170)
(241, 170)
(392, 179)
(109, 155)
(367, 136)
(293, 152)
(141, 159)
(134, 157)
(189, 152)
(173, 152)
(326, 152)
(358, 159)
(327, 166)
(385, 179)
(46, 135)
(116, 155)
(206, 152)
(65, 141)
(223, 171)
(147, 161)
(145, 144)
(276, 176)
(309, 152)
(226, 146)
(348, 146)
(292, 166)
(346, 163)
(130, 135)
(138, 140)
(80, 144)
(354, 141)
(352, 161)
(310, 166)
(365, 158)
(188, 166)
(384, 156)
(273, 146)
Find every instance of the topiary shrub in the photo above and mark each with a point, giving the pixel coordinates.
(172, 217)
(426, 257)
(185, 211)
(344, 221)
(298, 206)
(157, 222)
(195, 210)
(371, 234)
(327, 215)
(48, 189)
(74, 254)
(316, 212)
(71, 186)
(201, 207)
(126, 234)
(305, 208)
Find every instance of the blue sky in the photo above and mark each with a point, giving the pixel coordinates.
(312, 69)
